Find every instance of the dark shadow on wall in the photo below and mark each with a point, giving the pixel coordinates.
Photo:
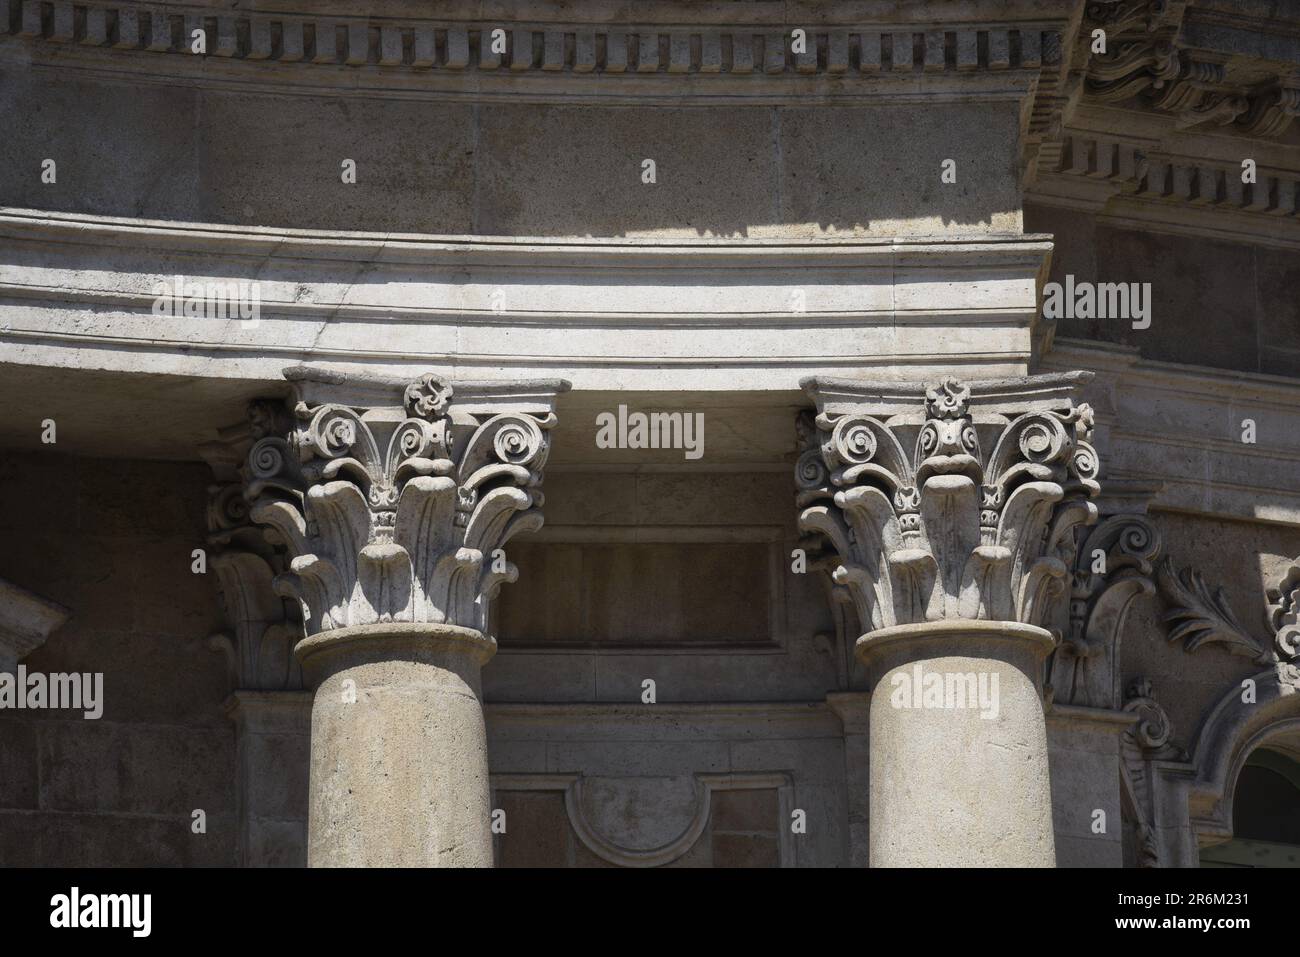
(111, 539)
(1222, 304)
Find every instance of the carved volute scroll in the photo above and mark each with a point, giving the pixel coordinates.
(394, 502)
(1149, 739)
(264, 626)
(958, 502)
(1115, 566)
(1146, 57)
(1284, 613)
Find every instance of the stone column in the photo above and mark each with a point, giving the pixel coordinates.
(958, 562)
(966, 786)
(394, 501)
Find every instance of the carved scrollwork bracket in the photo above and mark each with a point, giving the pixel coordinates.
(1113, 568)
(1284, 613)
(1145, 56)
(1150, 739)
(1126, 15)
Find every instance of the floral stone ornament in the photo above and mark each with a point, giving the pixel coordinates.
(950, 501)
(394, 500)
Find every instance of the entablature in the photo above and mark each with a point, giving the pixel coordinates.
(703, 315)
(598, 50)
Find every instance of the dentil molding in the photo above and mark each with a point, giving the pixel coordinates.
(752, 43)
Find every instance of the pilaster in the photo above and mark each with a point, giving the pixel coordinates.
(853, 709)
(269, 706)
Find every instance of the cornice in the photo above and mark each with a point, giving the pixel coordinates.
(81, 290)
(259, 242)
(1282, 392)
(667, 51)
(1182, 94)
(1130, 183)
(1218, 69)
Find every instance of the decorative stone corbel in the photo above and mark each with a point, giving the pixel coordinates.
(1114, 566)
(1144, 58)
(1195, 93)
(1135, 66)
(394, 501)
(1149, 739)
(1117, 16)
(1272, 111)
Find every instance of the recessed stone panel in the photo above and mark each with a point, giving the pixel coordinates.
(631, 594)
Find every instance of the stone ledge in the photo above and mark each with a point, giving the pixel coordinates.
(867, 304)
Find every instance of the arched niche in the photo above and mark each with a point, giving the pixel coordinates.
(1265, 805)
(1255, 726)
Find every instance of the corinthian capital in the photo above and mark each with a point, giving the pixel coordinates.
(949, 502)
(394, 499)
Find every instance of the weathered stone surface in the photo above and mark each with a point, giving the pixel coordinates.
(399, 771)
(393, 502)
(673, 686)
(976, 521)
(950, 788)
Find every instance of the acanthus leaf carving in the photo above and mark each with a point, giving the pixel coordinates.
(264, 626)
(948, 532)
(1199, 616)
(399, 512)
